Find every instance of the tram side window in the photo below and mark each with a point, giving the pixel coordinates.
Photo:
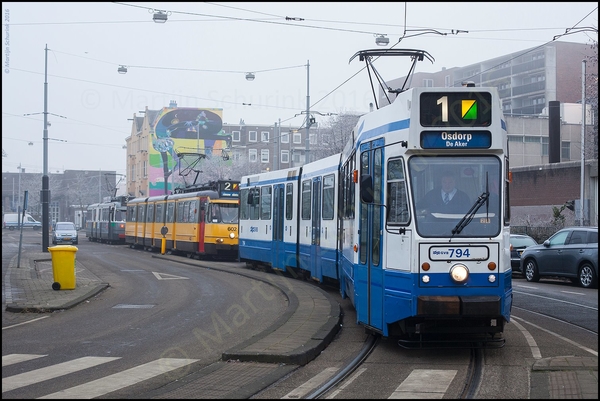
(180, 214)
(150, 215)
(328, 197)
(170, 212)
(131, 213)
(265, 202)
(289, 201)
(186, 212)
(158, 218)
(193, 212)
(214, 214)
(306, 200)
(142, 213)
(396, 193)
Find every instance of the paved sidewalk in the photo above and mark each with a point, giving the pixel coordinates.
(310, 324)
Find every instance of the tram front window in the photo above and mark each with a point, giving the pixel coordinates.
(229, 213)
(445, 190)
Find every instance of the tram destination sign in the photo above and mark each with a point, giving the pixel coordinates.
(452, 139)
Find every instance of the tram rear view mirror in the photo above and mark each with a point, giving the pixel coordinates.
(366, 189)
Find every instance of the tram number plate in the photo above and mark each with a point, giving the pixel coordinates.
(459, 253)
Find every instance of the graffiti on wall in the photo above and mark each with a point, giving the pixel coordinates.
(182, 130)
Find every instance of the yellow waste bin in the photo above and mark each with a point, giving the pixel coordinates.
(63, 266)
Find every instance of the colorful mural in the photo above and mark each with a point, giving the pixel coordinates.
(182, 130)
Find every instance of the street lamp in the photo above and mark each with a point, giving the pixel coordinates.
(160, 16)
(308, 118)
(582, 175)
(382, 40)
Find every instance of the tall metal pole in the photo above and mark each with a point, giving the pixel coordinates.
(19, 193)
(45, 181)
(582, 178)
(306, 158)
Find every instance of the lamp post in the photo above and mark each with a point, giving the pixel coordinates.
(19, 191)
(45, 182)
(582, 174)
(307, 151)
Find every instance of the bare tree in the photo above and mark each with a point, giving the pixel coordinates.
(334, 135)
(200, 169)
(591, 98)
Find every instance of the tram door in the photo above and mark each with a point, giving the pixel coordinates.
(278, 248)
(369, 282)
(315, 242)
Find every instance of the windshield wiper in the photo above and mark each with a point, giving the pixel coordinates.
(469, 216)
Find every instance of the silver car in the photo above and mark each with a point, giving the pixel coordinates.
(571, 252)
(65, 233)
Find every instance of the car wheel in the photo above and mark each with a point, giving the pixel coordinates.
(586, 276)
(531, 270)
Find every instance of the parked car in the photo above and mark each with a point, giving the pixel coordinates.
(518, 243)
(571, 252)
(65, 233)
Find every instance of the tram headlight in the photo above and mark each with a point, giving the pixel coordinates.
(459, 273)
(232, 235)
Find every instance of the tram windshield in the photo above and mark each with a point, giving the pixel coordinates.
(223, 213)
(456, 195)
(120, 215)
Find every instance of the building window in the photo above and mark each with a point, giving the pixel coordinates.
(312, 138)
(565, 151)
(296, 157)
(428, 83)
(532, 139)
(285, 156)
(264, 136)
(285, 137)
(252, 136)
(545, 141)
(236, 155)
(235, 136)
(145, 168)
(132, 172)
(447, 81)
(297, 137)
(252, 155)
(264, 155)
(515, 138)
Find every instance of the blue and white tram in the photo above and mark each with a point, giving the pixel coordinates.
(375, 219)
(268, 229)
(413, 267)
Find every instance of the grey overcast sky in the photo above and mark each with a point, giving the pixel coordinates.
(199, 58)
